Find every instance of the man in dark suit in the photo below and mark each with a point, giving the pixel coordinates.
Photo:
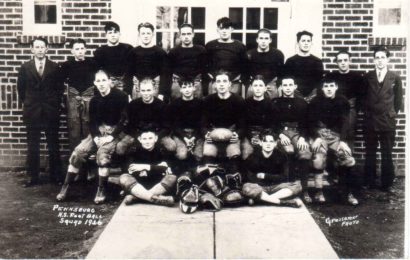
(382, 102)
(40, 92)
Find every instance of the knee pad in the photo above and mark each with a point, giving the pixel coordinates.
(169, 144)
(77, 158)
(127, 181)
(124, 145)
(169, 181)
(319, 161)
(344, 159)
(232, 198)
(181, 153)
(289, 149)
(252, 190)
(304, 155)
(103, 159)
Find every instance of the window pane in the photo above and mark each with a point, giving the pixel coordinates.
(389, 16)
(237, 36)
(253, 18)
(270, 18)
(274, 43)
(45, 14)
(251, 41)
(164, 40)
(198, 17)
(180, 16)
(199, 39)
(163, 17)
(236, 15)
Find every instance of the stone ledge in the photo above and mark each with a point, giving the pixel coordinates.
(52, 39)
(387, 41)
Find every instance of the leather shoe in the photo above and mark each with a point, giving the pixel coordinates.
(31, 183)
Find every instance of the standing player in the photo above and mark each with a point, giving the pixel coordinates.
(148, 61)
(305, 67)
(40, 91)
(382, 102)
(267, 180)
(258, 116)
(106, 123)
(79, 76)
(328, 123)
(351, 85)
(290, 124)
(187, 61)
(149, 176)
(227, 54)
(265, 61)
(113, 57)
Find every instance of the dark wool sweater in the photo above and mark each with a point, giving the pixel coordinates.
(78, 74)
(107, 110)
(351, 85)
(187, 62)
(113, 59)
(182, 114)
(258, 113)
(268, 64)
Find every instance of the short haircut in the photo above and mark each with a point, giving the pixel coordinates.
(224, 22)
(267, 132)
(286, 76)
(343, 52)
(39, 39)
(300, 34)
(147, 129)
(186, 25)
(264, 30)
(186, 81)
(111, 26)
(146, 25)
(79, 40)
(329, 78)
(223, 72)
(381, 49)
(258, 77)
(101, 71)
(147, 80)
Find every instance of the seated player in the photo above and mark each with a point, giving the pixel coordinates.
(290, 124)
(106, 123)
(258, 115)
(328, 122)
(267, 178)
(149, 176)
(142, 113)
(223, 124)
(184, 118)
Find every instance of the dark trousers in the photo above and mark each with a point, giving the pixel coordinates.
(386, 139)
(33, 155)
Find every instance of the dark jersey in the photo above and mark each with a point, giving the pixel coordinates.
(258, 113)
(107, 110)
(268, 64)
(308, 72)
(142, 116)
(273, 167)
(351, 84)
(223, 113)
(184, 114)
(187, 62)
(329, 113)
(113, 59)
(290, 112)
(228, 56)
(78, 74)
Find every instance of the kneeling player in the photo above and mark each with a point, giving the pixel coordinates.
(267, 178)
(149, 176)
(290, 125)
(328, 121)
(106, 123)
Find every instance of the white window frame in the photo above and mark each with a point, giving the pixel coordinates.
(390, 30)
(29, 25)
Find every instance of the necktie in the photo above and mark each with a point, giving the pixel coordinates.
(40, 68)
(379, 76)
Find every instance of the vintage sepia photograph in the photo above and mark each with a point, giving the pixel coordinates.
(193, 129)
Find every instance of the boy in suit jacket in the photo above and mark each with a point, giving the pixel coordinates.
(382, 102)
(40, 92)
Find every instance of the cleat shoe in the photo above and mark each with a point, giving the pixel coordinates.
(163, 200)
(307, 198)
(319, 197)
(63, 193)
(351, 200)
(100, 196)
(130, 199)
(294, 203)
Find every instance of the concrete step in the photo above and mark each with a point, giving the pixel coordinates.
(149, 231)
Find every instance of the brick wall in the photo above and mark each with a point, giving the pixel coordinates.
(80, 18)
(348, 24)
